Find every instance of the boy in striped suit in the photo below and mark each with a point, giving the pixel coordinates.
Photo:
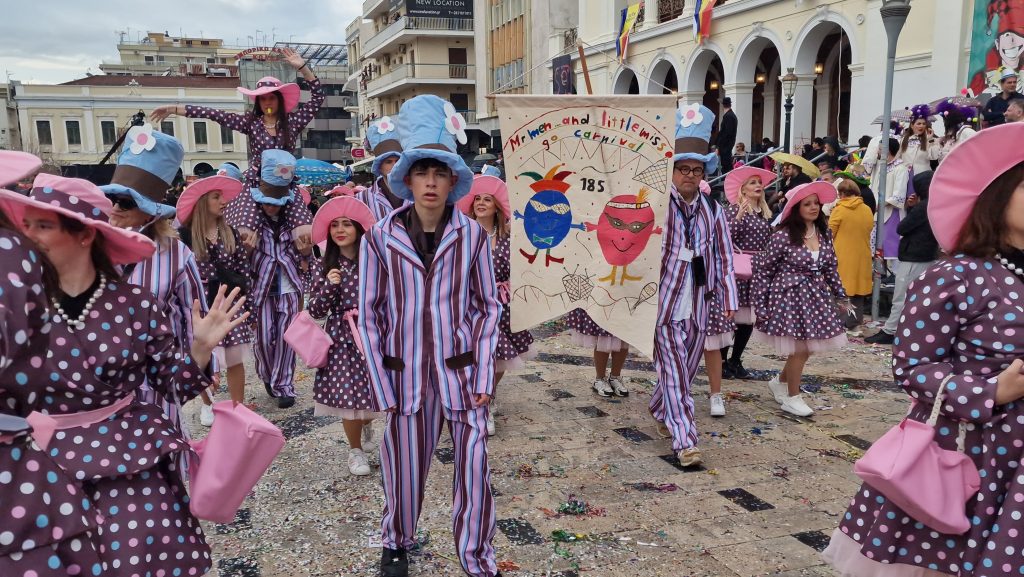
(696, 267)
(429, 315)
(275, 294)
(382, 139)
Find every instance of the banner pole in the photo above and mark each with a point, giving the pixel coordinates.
(586, 71)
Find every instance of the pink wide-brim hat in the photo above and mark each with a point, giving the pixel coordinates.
(83, 201)
(268, 84)
(306, 196)
(704, 187)
(963, 175)
(229, 190)
(736, 177)
(341, 190)
(825, 192)
(345, 206)
(491, 185)
(15, 165)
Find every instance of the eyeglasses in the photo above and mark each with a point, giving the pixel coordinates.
(687, 171)
(124, 202)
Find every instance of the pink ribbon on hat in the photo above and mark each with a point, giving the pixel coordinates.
(350, 317)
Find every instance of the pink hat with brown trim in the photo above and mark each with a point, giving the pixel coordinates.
(825, 192)
(268, 84)
(490, 185)
(345, 206)
(83, 201)
(965, 173)
(736, 178)
(16, 165)
(229, 190)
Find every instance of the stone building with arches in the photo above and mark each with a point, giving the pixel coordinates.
(837, 49)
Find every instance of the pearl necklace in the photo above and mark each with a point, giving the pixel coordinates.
(1010, 266)
(79, 323)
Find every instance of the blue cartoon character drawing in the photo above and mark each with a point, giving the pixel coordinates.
(548, 217)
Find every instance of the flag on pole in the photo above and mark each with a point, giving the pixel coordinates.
(702, 19)
(629, 16)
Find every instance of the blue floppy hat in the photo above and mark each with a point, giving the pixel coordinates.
(382, 140)
(146, 168)
(230, 170)
(428, 129)
(277, 172)
(693, 134)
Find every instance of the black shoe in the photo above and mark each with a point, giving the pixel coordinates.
(881, 338)
(727, 371)
(739, 370)
(285, 402)
(394, 563)
(270, 390)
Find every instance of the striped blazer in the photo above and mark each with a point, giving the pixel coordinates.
(374, 198)
(710, 229)
(428, 326)
(273, 252)
(172, 275)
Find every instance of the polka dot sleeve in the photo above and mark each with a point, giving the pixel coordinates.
(765, 264)
(230, 120)
(323, 295)
(22, 312)
(932, 343)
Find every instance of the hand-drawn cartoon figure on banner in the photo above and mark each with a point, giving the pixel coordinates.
(588, 180)
(997, 44)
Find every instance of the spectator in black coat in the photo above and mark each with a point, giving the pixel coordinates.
(727, 135)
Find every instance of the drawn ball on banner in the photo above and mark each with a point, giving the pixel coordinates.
(547, 219)
(578, 287)
(625, 227)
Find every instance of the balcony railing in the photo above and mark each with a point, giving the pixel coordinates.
(417, 23)
(421, 72)
(670, 10)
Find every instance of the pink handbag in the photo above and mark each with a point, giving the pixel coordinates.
(743, 265)
(232, 458)
(309, 340)
(933, 485)
(350, 317)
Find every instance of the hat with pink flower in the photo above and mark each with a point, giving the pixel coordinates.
(429, 128)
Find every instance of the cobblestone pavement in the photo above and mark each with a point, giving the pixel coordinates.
(764, 503)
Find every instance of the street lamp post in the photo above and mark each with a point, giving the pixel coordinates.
(788, 90)
(894, 15)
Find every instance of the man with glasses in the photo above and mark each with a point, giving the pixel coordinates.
(696, 271)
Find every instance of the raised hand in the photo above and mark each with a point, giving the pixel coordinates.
(292, 57)
(208, 331)
(161, 113)
(334, 276)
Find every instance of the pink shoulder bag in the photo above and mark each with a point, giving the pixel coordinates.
(932, 484)
(232, 458)
(310, 342)
(743, 265)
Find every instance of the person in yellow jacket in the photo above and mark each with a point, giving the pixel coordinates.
(851, 222)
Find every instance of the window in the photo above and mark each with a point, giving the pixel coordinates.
(159, 58)
(149, 60)
(74, 132)
(167, 127)
(109, 132)
(227, 136)
(211, 60)
(200, 130)
(43, 132)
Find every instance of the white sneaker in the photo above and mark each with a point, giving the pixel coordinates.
(601, 388)
(357, 464)
(717, 405)
(490, 423)
(206, 415)
(617, 387)
(795, 405)
(779, 390)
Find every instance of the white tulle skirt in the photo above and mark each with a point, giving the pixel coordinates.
(789, 345)
(843, 554)
(599, 344)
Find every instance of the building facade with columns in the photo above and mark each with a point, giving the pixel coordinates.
(837, 49)
(78, 122)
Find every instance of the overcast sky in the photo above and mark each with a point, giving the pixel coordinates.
(54, 41)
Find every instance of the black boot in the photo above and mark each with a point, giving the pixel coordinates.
(394, 563)
(285, 402)
(727, 371)
(739, 370)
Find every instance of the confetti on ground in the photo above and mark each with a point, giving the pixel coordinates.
(508, 566)
(579, 507)
(648, 486)
(563, 536)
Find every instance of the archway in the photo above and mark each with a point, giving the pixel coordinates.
(705, 75)
(626, 83)
(758, 65)
(824, 50)
(663, 79)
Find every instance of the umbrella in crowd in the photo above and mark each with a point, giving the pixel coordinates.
(313, 172)
(960, 100)
(903, 116)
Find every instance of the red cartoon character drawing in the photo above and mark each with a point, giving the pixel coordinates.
(623, 231)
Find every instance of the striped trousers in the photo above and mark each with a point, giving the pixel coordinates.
(275, 360)
(405, 456)
(678, 350)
